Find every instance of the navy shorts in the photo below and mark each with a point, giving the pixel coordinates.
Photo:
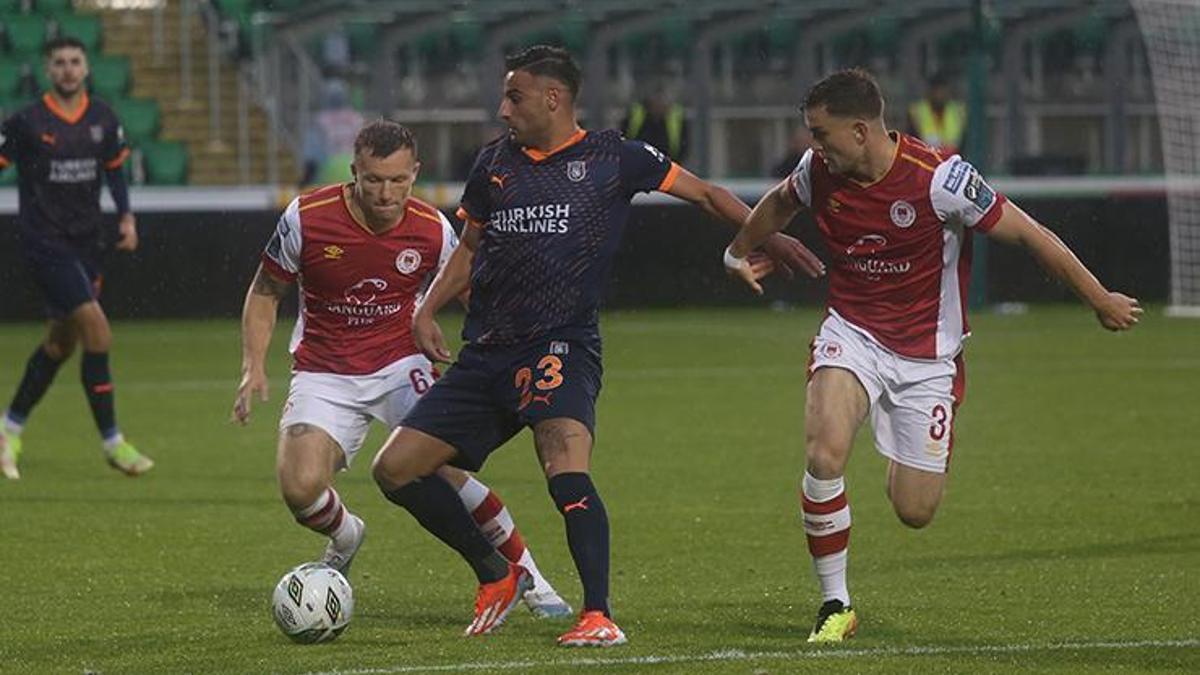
(492, 392)
(69, 275)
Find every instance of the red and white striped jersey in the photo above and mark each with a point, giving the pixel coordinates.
(900, 246)
(358, 289)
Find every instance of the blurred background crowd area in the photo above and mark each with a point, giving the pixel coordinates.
(218, 92)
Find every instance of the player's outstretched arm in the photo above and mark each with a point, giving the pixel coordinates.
(258, 322)
(1115, 311)
(772, 213)
(453, 281)
(787, 253)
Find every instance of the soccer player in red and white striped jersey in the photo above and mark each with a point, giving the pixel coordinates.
(362, 255)
(896, 217)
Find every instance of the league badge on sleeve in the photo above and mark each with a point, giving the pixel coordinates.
(978, 192)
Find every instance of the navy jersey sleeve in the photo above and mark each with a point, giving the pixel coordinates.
(476, 203)
(114, 150)
(9, 132)
(645, 168)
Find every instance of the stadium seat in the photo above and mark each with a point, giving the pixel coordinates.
(166, 162)
(11, 6)
(110, 77)
(25, 34)
(85, 27)
(139, 117)
(12, 74)
(51, 8)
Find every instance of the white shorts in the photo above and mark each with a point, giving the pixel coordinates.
(344, 405)
(912, 401)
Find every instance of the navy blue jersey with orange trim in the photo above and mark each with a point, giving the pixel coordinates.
(551, 224)
(61, 160)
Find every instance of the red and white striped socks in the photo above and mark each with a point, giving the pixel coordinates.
(329, 516)
(827, 528)
(497, 525)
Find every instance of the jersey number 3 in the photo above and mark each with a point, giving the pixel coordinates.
(550, 367)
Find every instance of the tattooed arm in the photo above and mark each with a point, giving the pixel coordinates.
(258, 322)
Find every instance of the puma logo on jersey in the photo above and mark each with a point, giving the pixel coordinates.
(48, 139)
(334, 252)
(498, 180)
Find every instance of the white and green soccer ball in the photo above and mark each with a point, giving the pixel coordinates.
(312, 603)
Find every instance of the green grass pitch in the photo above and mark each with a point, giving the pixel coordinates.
(1069, 538)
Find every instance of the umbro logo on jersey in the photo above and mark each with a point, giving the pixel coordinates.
(334, 252)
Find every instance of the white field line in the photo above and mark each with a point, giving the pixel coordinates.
(734, 655)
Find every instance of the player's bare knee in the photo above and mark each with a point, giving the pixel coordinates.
(301, 486)
(915, 516)
(825, 460)
(96, 337)
(563, 446)
(59, 349)
(394, 467)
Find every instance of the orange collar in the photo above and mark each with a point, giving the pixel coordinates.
(55, 108)
(537, 155)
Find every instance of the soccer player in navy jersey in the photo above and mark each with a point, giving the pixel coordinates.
(64, 146)
(545, 207)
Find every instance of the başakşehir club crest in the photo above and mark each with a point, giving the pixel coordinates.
(576, 170)
(903, 213)
(408, 261)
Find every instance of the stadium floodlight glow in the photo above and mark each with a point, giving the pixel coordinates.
(1171, 33)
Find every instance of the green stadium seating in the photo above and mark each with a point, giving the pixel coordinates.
(139, 116)
(25, 33)
(12, 73)
(110, 77)
(235, 8)
(9, 106)
(53, 7)
(12, 6)
(85, 27)
(166, 162)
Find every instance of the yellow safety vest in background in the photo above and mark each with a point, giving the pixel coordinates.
(637, 117)
(944, 132)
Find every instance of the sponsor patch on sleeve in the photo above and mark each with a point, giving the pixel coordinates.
(954, 178)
